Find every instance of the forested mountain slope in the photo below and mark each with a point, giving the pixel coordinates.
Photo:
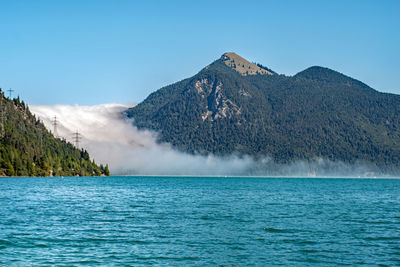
(318, 113)
(28, 149)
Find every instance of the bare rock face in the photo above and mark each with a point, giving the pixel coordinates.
(218, 105)
(202, 86)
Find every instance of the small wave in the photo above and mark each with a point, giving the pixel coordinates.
(136, 206)
(86, 262)
(274, 230)
(169, 258)
(307, 242)
(6, 243)
(308, 250)
(382, 238)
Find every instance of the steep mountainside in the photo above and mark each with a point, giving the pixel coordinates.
(28, 149)
(318, 113)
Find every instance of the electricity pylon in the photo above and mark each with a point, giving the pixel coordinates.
(10, 91)
(77, 138)
(55, 123)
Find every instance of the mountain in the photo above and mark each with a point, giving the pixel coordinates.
(234, 106)
(28, 149)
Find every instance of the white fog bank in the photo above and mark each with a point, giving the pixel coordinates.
(111, 139)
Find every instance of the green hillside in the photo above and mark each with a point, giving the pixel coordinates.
(318, 113)
(29, 149)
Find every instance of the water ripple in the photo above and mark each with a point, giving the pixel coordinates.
(142, 221)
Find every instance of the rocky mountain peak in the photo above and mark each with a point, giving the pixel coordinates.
(243, 66)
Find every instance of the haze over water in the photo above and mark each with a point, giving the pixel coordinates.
(144, 221)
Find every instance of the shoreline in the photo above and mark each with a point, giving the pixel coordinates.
(216, 176)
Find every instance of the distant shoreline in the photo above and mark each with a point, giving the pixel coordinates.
(215, 176)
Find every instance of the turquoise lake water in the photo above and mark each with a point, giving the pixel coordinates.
(178, 221)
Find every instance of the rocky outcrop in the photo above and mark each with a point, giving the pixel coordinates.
(217, 105)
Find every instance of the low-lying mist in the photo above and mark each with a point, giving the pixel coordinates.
(112, 139)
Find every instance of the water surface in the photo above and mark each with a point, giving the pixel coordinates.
(144, 221)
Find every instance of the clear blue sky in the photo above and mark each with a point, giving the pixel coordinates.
(93, 52)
